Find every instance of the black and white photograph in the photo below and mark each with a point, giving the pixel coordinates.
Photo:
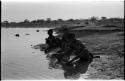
(62, 40)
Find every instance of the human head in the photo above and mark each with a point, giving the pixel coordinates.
(50, 31)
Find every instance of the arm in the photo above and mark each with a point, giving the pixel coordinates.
(73, 59)
(77, 50)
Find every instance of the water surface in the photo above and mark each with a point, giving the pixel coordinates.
(19, 60)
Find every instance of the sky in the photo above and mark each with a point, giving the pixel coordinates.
(14, 11)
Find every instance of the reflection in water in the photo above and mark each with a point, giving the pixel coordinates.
(72, 70)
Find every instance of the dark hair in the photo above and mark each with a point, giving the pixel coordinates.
(50, 31)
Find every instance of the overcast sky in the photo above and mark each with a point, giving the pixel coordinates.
(18, 11)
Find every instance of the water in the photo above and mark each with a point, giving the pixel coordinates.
(19, 61)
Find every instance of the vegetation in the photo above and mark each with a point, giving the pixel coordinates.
(103, 21)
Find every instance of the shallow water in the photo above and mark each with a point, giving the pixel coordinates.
(19, 60)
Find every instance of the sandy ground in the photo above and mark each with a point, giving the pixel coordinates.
(110, 47)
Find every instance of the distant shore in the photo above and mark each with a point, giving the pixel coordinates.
(41, 23)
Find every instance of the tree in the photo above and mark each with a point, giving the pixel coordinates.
(48, 20)
(93, 19)
(5, 22)
(34, 21)
(103, 18)
(40, 21)
(71, 20)
(60, 20)
(26, 21)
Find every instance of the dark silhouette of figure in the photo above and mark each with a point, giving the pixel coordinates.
(68, 54)
(78, 49)
(71, 46)
(71, 70)
(72, 67)
(52, 41)
(64, 52)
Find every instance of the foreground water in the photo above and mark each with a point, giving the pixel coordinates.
(19, 60)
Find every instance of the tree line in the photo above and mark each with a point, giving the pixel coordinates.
(59, 22)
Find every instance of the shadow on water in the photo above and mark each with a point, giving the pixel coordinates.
(72, 70)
